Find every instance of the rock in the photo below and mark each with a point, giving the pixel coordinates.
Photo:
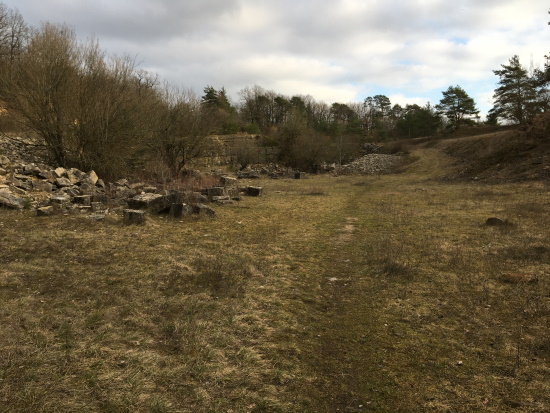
(4, 160)
(215, 191)
(122, 182)
(221, 199)
(96, 206)
(254, 190)
(100, 183)
(42, 186)
(228, 181)
(84, 200)
(92, 176)
(45, 211)
(372, 164)
(496, 222)
(177, 210)
(49, 175)
(102, 198)
(149, 189)
(152, 202)
(133, 216)
(519, 278)
(3, 171)
(202, 209)
(248, 175)
(86, 188)
(96, 217)
(10, 201)
(69, 190)
(60, 199)
(138, 186)
(60, 172)
(63, 182)
(123, 192)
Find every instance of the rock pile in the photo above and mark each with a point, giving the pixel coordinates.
(60, 190)
(271, 170)
(372, 164)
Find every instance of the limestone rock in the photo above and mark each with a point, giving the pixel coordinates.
(153, 202)
(60, 172)
(45, 211)
(84, 200)
(60, 199)
(228, 181)
(254, 190)
(215, 191)
(63, 182)
(202, 209)
(42, 186)
(93, 177)
(177, 210)
(133, 216)
(10, 201)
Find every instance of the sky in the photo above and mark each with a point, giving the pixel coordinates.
(333, 50)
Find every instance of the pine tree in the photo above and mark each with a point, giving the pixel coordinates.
(457, 106)
(516, 97)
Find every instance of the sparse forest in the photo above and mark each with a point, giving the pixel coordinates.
(96, 111)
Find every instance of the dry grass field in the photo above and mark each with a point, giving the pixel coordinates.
(328, 294)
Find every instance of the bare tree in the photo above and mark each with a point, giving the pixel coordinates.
(181, 127)
(39, 87)
(14, 33)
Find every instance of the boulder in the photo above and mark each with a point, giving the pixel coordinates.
(202, 209)
(215, 191)
(228, 181)
(41, 186)
(11, 201)
(133, 216)
(254, 190)
(92, 176)
(60, 172)
(86, 188)
(177, 210)
(152, 202)
(63, 182)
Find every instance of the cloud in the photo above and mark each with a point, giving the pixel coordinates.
(334, 50)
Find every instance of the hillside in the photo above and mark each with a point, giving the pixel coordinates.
(508, 155)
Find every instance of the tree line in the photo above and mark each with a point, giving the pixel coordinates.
(92, 110)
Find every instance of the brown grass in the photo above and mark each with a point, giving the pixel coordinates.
(386, 297)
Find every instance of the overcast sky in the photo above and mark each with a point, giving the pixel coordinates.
(334, 50)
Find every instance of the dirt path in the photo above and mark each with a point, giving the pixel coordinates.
(350, 352)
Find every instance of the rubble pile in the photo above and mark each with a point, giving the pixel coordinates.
(69, 190)
(372, 164)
